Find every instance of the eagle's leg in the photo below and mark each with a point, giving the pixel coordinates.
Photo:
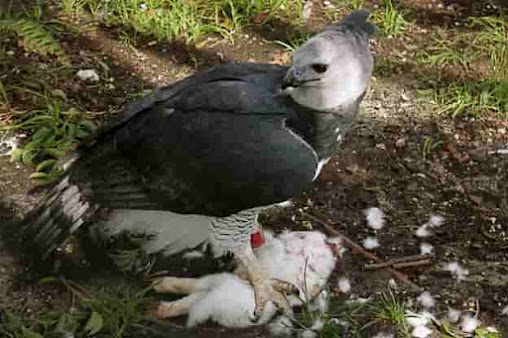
(265, 288)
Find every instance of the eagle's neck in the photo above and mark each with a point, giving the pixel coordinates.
(323, 130)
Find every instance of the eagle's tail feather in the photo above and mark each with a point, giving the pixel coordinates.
(60, 214)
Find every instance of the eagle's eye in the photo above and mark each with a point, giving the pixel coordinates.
(319, 68)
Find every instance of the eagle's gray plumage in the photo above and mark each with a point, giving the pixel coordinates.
(199, 158)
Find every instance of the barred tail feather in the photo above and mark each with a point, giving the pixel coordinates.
(59, 215)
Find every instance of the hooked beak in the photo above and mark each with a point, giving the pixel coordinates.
(295, 79)
(291, 80)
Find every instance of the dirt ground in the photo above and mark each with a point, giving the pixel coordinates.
(399, 157)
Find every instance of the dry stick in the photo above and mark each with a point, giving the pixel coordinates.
(398, 261)
(400, 265)
(366, 254)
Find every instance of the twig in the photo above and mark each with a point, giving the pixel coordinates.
(401, 265)
(401, 262)
(352, 245)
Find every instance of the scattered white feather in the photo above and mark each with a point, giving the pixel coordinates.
(468, 323)
(88, 75)
(358, 300)
(416, 320)
(505, 311)
(8, 143)
(436, 220)
(453, 315)
(308, 334)
(370, 243)
(281, 327)
(375, 218)
(426, 300)
(317, 325)
(456, 270)
(307, 10)
(426, 249)
(421, 332)
(342, 251)
(344, 285)
(383, 335)
(424, 231)
(194, 254)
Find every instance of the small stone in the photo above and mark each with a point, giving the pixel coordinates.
(10, 52)
(89, 75)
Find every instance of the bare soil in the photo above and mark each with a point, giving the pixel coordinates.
(399, 157)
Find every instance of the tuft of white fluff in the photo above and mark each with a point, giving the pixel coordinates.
(375, 218)
(424, 231)
(433, 222)
(317, 325)
(418, 319)
(281, 327)
(436, 220)
(308, 334)
(194, 254)
(426, 248)
(505, 311)
(453, 315)
(383, 335)
(456, 270)
(344, 285)
(370, 243)
(8, 143)
(468, 323)
(426, 300)
(421, 332)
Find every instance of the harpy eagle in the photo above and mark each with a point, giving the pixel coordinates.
(199, 159)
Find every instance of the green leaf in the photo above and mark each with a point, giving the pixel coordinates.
(45, 164)
(27, 333)
(94, 324)
(56, 153)
(16, 155)
(47, 280)
(29, 156)
(37, 176)
(42, 135)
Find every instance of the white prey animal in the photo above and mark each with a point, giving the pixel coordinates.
(303, 259)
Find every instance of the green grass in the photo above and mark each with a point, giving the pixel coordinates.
(190, 20)
(293, 43)
(54, 130)
(448, 52)
(33, 36)
(389, 19)
(105, 310)
(473, 99)
(493, 41)
(489, 41)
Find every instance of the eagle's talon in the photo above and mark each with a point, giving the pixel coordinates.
(271, 290)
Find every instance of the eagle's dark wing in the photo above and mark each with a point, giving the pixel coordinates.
(212, 144)
(214, 147)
